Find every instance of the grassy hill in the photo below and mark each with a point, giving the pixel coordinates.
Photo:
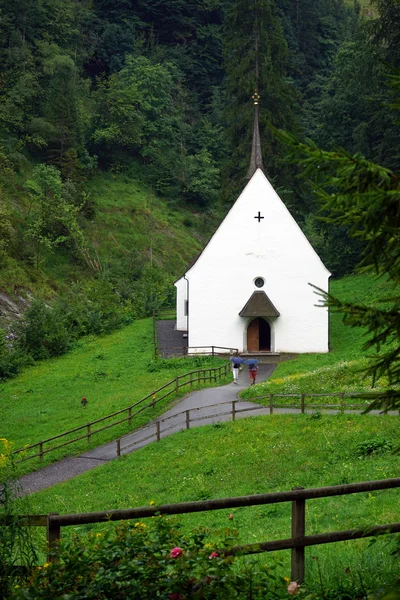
(255, 455)
(130, 236)
(116, 370)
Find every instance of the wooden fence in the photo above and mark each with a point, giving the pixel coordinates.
(87, 430)
(172, 387)
(182, 420)
(296, 543)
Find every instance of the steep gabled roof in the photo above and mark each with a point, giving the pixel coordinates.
(259, 305)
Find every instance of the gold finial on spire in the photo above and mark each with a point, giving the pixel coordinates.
(256, 96)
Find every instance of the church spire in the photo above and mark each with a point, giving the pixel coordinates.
(256, 155)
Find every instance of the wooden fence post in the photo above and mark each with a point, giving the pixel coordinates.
(176, 384)
(88, 433)
(233, 410)
(41, 451)
(130, 416)
(271, 404)
(191, 379)
(119, 447)
(302, 402)
(212, 351)
(53, 534)
(298, 532)
(158, 431)
(187, 419)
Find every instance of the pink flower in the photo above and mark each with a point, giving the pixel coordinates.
(213, 555)
(175, 552)
(293, 588)
(230, 517)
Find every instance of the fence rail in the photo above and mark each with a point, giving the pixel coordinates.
(172, 387)
(297, 543)
(184, 418)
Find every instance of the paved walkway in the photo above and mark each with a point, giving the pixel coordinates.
(202, 408)
(205, 406)
(170, 341)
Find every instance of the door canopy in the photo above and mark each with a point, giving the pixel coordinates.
(259, 305)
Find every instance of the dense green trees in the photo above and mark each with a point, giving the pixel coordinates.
(364, 197)
(94, 84)
(254, 35)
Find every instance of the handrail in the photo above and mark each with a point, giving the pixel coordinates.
(212, 373)
(297, 497)
(233, 411)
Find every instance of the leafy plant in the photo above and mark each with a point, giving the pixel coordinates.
(143, 561)
(374, 445)
(17, 550)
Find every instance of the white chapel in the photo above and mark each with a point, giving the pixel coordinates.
(250, 287)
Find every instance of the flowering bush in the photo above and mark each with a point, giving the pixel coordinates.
(141, 561)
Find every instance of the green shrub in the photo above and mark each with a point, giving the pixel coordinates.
(44, 332)
(151, 561)
(376, 445)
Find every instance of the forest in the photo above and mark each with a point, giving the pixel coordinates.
(161, 92)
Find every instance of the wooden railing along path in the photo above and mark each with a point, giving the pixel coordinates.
(194, 377)
(200, 376)
(296, 543)
(153, 432)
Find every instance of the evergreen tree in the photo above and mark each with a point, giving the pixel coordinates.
(245, 29)
(365, 198)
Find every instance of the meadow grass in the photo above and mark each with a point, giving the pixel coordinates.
(132, 223)
(250, 456)
(112, 372)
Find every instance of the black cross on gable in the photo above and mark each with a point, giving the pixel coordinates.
(259, 217)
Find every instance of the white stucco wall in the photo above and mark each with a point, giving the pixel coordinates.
(222, 279)
(181, 297)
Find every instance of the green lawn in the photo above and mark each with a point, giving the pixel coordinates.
(112, 372)
(250, 456)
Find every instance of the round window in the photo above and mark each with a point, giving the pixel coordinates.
(259, 282)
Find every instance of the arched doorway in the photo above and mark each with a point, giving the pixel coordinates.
(259, 336)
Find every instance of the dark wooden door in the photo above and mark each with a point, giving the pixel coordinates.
(253, 336)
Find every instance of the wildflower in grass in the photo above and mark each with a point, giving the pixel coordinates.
(293, 588)
(140, 525)
(213, 555)
(152, 502)
(230, 517)
(175, 552)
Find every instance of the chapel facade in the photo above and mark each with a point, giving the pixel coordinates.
(253, 286)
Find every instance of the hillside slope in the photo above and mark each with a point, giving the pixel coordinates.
(133, 244)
